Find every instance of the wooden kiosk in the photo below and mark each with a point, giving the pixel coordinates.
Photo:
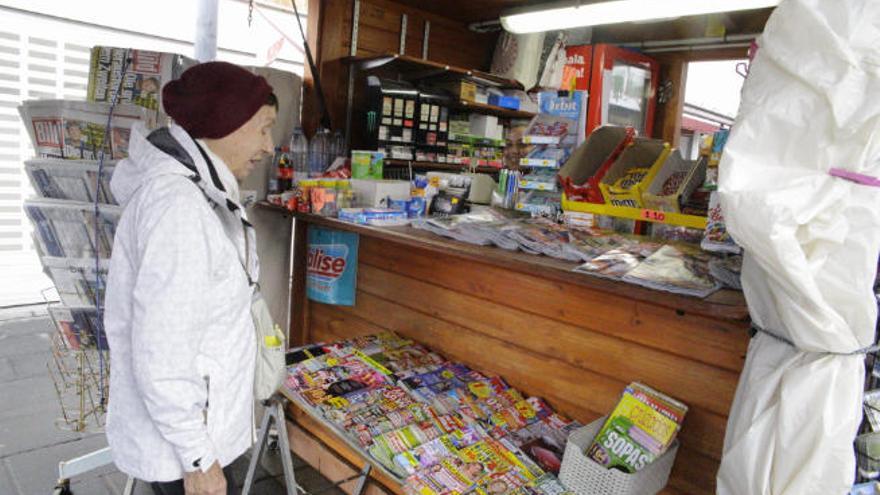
(573, 340)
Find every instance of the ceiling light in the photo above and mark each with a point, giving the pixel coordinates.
(565, 15)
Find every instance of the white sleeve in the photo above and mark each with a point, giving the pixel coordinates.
(169, 318)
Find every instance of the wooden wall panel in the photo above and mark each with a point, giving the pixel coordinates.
(379, 32)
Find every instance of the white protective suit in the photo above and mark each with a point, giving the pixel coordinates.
(177, 315)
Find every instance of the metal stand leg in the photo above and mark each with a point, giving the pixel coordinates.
(275, 405)
(275, 412)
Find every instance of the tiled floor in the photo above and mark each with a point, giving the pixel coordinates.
(31, 445)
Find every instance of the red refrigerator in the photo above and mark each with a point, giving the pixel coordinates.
(622, 85)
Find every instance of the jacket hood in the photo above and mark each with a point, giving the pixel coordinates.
(146, 161)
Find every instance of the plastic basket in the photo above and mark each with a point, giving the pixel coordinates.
(694, 175)
(584, 476)
(643, 153)
(581, 173)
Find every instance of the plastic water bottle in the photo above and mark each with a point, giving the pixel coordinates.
(337, 147)
(273, 186)
(299, 154)
(318, 152)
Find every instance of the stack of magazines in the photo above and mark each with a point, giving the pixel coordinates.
(639, 430)
(677, 267)
(438, 426)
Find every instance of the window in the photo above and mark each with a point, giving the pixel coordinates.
(44, 53)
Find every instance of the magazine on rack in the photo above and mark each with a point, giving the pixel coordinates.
(75, 279)
(147, 72)
(438, 424)
(76, 129)
(66, 229)
(678, 268)
(75, 180)
(79, 327)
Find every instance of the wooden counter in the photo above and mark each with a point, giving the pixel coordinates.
(572, 339)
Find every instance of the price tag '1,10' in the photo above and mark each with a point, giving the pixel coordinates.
(654, 216)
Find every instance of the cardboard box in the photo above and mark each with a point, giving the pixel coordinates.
(643, 153)
(373, 193)
(463, 90)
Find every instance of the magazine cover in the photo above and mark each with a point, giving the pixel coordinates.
(80, 327)
(142, 83)
(67, 229)
(75, 279)
(568, 111)
(77, 129)
(681, 268)
(637, 432)
(74, 180)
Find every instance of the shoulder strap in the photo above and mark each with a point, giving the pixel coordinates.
(163, 140)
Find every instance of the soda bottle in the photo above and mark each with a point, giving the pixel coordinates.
(299, 154)
(285, 170)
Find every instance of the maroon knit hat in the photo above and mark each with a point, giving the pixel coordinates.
(213, 99)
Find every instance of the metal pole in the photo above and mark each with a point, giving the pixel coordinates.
(206, 30)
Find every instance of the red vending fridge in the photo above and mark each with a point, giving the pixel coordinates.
(622, 85)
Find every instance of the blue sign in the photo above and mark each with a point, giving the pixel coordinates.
(331, 276)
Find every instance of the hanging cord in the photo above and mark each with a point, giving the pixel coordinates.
(325, 117)
(755, 329)
(99, 286)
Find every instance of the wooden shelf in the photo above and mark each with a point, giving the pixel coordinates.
(491, 110)
(418, 68)
(457, 167)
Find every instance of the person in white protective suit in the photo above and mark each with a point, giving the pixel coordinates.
(179, 288)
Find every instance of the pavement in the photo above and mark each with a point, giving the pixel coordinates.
(32, 445)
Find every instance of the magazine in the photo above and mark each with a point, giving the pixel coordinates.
(616, 263)
(680, 268)
(431, 453)
(872, 408)
(727, 270)
(74, 180)
(77, 129)
(65, 229)
(75, 279)
(716, 238)
(145, 75)
(640, 429)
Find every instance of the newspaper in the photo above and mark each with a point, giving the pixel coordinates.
(146, 74)
(80, 327)
(75, 180)
(76, 280)
(66, 229)
(77, 129)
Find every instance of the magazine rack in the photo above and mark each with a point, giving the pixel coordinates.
(584, 476)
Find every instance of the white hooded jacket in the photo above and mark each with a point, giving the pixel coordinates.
(177, 312)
